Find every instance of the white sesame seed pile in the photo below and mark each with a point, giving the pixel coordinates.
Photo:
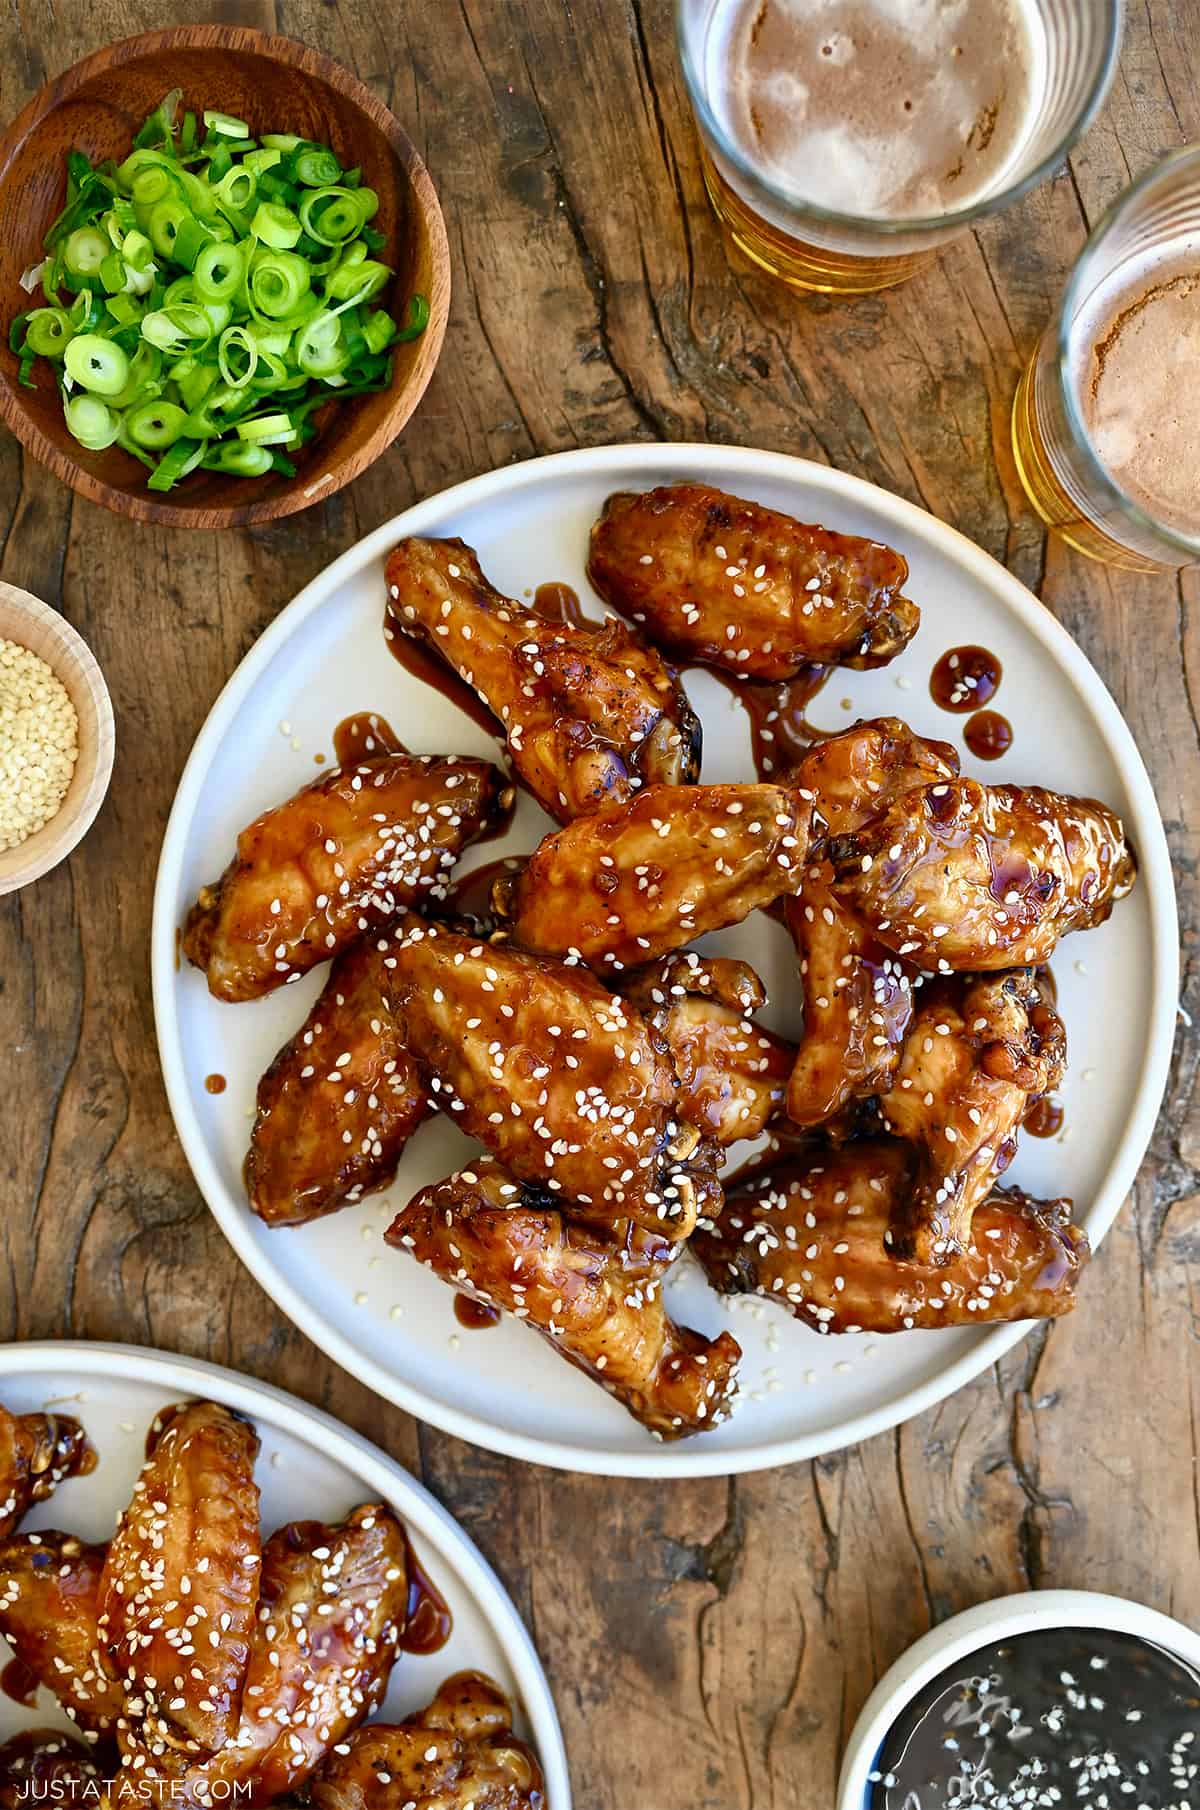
(39, 743)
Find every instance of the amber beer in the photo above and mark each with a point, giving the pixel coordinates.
(1106, 422)
(845, 141)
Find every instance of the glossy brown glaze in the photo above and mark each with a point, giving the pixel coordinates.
(732, 1072)
(623, 886)
(19, 1684)
(420, 662)
(342, 856)
(460, 1753)
(979, 1050)
(37, 1451)
(812, 1232)
(714, 578)
(469, 898)
(965, 678)
(187, 1549)
(274, 83)
(476, 1316)
(340, 1101)
(428, 1622)
(522, 1053)
(1045, 1118)
(561, 603)
(215, 1084)
(857, 991)
(45, 1766)
(598, 1301)
(49, 1614)
(365, 736)
(959, 875)
(988, 735)
(590, 712)
(777, 712)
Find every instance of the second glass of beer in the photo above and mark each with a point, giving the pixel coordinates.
(845, 141)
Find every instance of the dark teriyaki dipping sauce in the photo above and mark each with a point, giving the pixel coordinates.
(1065, 1716)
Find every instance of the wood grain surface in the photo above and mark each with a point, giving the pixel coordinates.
(710, 1642)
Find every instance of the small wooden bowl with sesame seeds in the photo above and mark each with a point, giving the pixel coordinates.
(29, 623)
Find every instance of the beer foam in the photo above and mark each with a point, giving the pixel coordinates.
(885, 108)
(1136, 349)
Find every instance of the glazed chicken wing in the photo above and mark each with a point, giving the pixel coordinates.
(560, 1079)
(330, 1618)
(49, 1608)
(42, 1766)
(343, 856)
(37, 1451)
(813, 1234)
(181, 1581)
(732, 1073)
(960, 875)
(980, 1050)
(590, 713)
(857, 992)
(458, 1754)
(718, 579)
(599, 1302)
(624, 886)
(339, 1102)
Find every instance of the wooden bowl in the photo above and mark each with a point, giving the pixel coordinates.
(276, 85)
(33, 624)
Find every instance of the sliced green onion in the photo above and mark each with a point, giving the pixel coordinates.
(356, 282)
(331, 216)
(314, 165)
(237, 188)
(240, 459)
(183, 457)
(281, 141)
(91, 422)
(99, 365)
(237, 356)
(219, 271)
(266, 428)
(159, 128)
(85, 250)
(174, 327)
(48, 332)
(155, 425)
(275, 226)
(279, 281)
(417, 318)
(226, 125)
(379, 330)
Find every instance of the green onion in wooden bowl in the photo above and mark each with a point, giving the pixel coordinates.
(207, 295)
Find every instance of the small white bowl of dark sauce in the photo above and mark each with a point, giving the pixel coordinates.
(1031, 1695)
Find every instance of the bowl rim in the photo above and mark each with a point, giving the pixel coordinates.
(295, 55)
(55, 850)
(1024, 1612)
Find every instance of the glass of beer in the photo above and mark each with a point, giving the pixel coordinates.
(845, 141)
(1106, 423)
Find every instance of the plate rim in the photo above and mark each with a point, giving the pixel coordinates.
(414, 1503)
(690, 1458)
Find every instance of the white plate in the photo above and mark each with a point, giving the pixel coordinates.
(383, 1316)
(309, 1467)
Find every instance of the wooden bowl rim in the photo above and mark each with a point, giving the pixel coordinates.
(146, 507)
(56, 839)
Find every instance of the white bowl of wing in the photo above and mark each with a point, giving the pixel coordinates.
(1028, 1612)
(384, 1317)
(309, 1467)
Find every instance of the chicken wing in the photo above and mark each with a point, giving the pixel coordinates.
(980, 1050)
(857, 993)
(42, 1766)
(343, 856)
(460, 1753)
(813, 1234)
(181, 1580)
(624, 886)
(339, 1102)
(590, 714)
(960, 875)
(330, 1618)
(599, 1302)
(732, 1073)
(718, 579)
(560, 1079)
(49, 1608)
(37, 1451)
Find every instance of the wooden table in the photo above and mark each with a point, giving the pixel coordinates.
(709, 1643)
